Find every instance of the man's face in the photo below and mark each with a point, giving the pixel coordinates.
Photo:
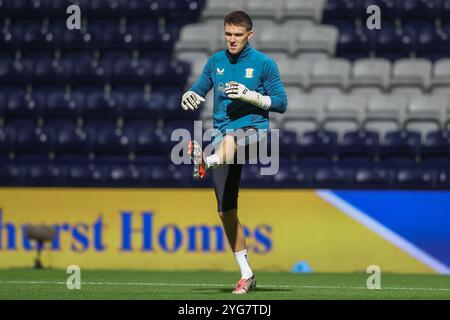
(236, 38)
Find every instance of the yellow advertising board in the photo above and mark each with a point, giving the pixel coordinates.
(179, 229)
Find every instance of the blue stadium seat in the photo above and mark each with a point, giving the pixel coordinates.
(400, 145)
(360, 144)
(146, 8)
(14, 71)
(126, 175)
(12, 174)
(348, 9)
(170, 72)
(142, 34)
(46, 175)
(141, 105)
(390, 42)
(288, 143)
(48, 71)
(3, 100)
(87, 175)
(426, 39)
(23, 105)
(416, 178)
(61, 104)
(103, 105)
(7, 138)
(104, 33)
(91, 72)
(70, 139)
(445, 10)
(333, 177)
(418, 9)
(353, 43)
(127, 71)
(374, 178)
(318, 143)
(145, 139)
(436, 149)
(32, 139)
(111, 140)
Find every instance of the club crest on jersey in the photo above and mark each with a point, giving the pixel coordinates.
(249, 73)
(220, 71)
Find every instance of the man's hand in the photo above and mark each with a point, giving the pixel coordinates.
(191, 100)
(235, 90)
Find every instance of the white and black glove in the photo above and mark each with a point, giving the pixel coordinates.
(191, 100)
(236, 90)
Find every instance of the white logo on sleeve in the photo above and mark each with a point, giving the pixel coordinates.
(220, 71)
(249, 73)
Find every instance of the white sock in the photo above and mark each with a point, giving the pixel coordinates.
(213, 161)
(242, 260)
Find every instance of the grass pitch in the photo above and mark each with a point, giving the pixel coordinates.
(210, 285)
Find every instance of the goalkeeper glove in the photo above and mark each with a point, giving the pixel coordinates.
(235, 90)
(191, 100)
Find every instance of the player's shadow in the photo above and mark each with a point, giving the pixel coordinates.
(228, 290)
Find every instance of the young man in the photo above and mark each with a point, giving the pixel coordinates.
(247, 86)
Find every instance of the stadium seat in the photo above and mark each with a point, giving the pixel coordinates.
(359, 144)
(219, 8)
(416, 178)
(374, 178)
(317, 39)
(349, 9)
(265, 9)
(333, 177)
(127, 71)
(398, 144)
(303, 106)
(385, 113)
(426, 114)
(197, 61)
(16, 71)
(198, 38)
(370, 72)
(437, 146)
(441, 73)
(303, 9)
(268, 39)
(411, 73)
(52, 71)
(330, 73)
(23, 105)
(101, 104)
(7, 138)
(142, 105)
(317, 143)
(418, 9)
(389, 42)
(294, 72)
(353, 42)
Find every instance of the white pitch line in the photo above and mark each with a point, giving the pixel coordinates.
(217, 285)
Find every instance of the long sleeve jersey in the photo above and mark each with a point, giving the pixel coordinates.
(253, 69)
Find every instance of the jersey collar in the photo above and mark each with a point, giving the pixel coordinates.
(235, 58)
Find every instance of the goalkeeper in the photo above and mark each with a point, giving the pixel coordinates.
(247, 86)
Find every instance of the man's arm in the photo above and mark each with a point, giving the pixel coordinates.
(195, 95)
(275, 100)
(274, 87)
(204, 83)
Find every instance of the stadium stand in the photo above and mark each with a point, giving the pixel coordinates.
(97, 106)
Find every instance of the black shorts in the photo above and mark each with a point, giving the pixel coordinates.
(227, 178)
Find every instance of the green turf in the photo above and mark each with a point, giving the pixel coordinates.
(50, 284)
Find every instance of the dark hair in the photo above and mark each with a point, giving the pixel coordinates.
(239, 18)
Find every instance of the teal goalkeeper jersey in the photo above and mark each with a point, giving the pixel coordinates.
(253, 69)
